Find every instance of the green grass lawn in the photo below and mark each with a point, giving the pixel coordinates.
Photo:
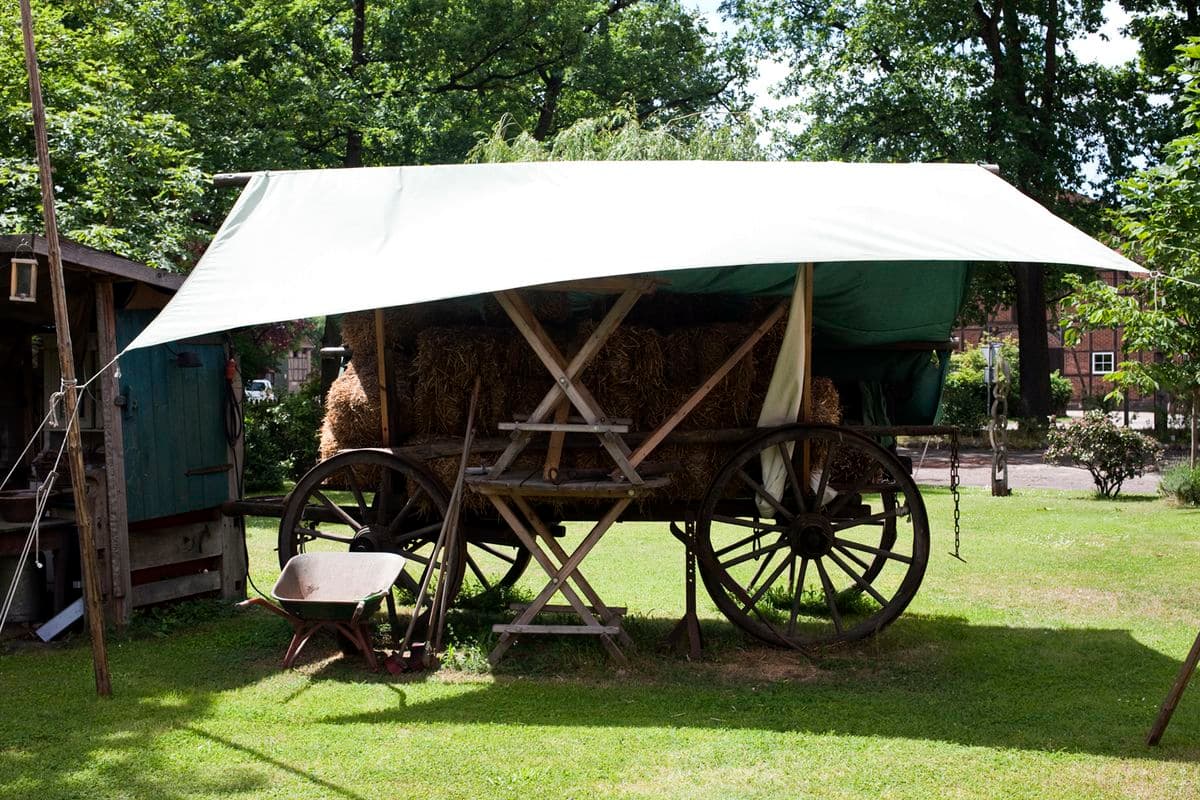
(1032, 670)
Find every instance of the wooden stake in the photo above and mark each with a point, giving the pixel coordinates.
(66, 358)
(1172, 699)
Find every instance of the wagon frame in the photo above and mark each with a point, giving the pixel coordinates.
(798, 524)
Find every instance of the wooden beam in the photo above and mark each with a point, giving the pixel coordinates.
(114, 456)
(563, 373)
(87, 546)
(383, 364)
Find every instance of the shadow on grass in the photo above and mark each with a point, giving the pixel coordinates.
(1075, 690)
(175, 728)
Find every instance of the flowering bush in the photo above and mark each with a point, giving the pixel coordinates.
(1109, 452)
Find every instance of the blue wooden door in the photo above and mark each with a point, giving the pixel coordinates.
(173, 424)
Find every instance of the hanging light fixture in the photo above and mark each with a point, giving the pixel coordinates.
(23, 285)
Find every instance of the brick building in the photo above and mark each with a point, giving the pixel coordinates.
(1085, 364)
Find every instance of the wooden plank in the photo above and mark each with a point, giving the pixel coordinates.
(558, 608)
(78, 256)
(175, 588)
(114, 455)
(171, 545)
(609, 630)
(523, 486)
(557, 439)
(563, 427)
(382, 363)
(687, 406)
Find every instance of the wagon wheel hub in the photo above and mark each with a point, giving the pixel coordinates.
(368, 540)
(810, 535)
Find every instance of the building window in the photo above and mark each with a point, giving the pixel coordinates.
(1103, 363)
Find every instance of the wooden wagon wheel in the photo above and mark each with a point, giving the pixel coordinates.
(494, 562)
(370, 500)
(834, 558)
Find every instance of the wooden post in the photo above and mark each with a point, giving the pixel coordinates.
(1172, 699)
(83, 511)
(382, 363)
(806, 387)
(120, 605)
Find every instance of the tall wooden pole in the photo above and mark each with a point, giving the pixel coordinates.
(66, 359)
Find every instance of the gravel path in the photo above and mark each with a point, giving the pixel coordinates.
(1026, 470)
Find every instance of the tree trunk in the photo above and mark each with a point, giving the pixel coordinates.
(554, 85)
(1033, 347)
(358, 57)
(1192, 447)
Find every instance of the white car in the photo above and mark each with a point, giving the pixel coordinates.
(260, 390)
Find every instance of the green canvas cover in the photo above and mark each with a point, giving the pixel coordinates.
(859, 310)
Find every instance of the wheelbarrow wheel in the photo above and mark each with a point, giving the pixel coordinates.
(372, 500)
(818, 558)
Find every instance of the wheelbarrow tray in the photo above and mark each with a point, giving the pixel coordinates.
(329, 586)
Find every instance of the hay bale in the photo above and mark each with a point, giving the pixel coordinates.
(351, 412)
(443, 373)
(628, 375)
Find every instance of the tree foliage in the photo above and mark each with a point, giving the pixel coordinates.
(1159, 223)
(146, 97)
(992, 81)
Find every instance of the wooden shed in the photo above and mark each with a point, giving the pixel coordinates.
(161, 433)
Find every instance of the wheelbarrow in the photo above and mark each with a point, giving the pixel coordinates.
(337, 591)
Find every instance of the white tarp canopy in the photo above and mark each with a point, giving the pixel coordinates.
(310, 243)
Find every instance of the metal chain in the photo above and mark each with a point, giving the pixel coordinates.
(954, 491)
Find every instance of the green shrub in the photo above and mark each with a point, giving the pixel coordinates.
(282, 438)
(1182, 483)
(1061, 392)
(1111, 453)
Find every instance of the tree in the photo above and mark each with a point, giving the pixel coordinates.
(943, 80)
(127, 177)
(147, 96)
(1159, 222)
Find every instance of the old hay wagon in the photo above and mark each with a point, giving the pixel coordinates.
(727, 348)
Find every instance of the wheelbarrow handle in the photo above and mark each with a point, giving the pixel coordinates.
(268, 605)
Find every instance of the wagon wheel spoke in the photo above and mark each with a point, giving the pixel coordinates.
(852, 557)
(754, 598)
(794, 479)
(487, 586)
(765, 495)
(338, 511)
(878, 518)
(766, 562)
(733, 562)
(358, 494)
(854, 576)
(826, 472)
(756, 524)
(398, 520)
(418, 536)
(496, 553)
(316, 533)
(797, 592)
(866, 548)
(830, 597)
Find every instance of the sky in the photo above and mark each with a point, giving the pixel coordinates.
(1108, 46)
